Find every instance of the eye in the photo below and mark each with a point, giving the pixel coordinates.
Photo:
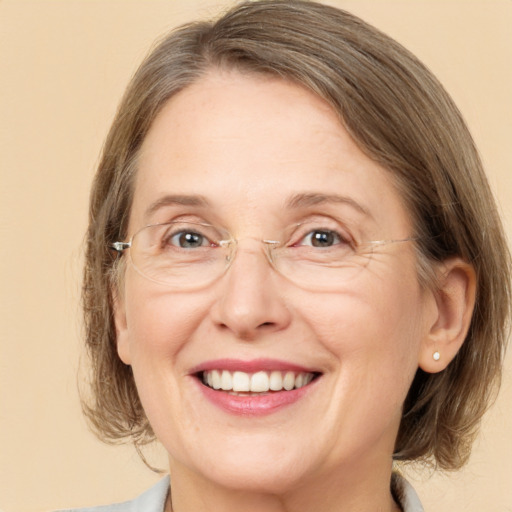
(320, 238)
(187, 240)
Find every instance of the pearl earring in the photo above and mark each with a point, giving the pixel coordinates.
(436, 355)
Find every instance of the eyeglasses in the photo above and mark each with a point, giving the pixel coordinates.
(188, 255)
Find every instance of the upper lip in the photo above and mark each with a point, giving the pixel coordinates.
(252, 366)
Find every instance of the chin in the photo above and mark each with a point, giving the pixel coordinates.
(270, 477)
(257, 465)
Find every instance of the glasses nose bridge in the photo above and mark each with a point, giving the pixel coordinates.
(257, 246)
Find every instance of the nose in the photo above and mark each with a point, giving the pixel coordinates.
(251, 299)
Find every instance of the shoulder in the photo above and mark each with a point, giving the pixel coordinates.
(153, 500)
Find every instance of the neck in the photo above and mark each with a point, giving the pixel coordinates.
(343, 490)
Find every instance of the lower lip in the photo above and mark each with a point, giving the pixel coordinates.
(254, 405)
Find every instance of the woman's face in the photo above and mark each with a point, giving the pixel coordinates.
(254, 155)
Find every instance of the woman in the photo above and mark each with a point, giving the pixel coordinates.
(295, 268)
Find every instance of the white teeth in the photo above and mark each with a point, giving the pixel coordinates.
(226, 381)
(241, 381)
(259, 382)
(289, 381)
(276, 381)
(216, 382)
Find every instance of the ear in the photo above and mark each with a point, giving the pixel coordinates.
(455, 300)
(122, 342)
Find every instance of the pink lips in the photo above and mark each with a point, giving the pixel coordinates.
(251, 404)
(256, 365)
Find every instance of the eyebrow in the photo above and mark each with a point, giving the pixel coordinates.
(296, 201)
(173, 200)
(312, 199)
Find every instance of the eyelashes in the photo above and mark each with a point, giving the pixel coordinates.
(196, 236)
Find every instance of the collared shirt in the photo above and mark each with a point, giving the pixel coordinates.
(153, 500)
(405, 495)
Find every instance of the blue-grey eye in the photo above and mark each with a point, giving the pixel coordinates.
(189, 240)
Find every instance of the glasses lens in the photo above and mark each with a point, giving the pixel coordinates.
(319, 269)
(187, 255)
(180, 255)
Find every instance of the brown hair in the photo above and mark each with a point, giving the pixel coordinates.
(401, 117)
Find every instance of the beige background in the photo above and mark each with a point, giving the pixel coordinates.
(63, 67)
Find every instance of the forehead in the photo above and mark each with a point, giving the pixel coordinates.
(248, 145)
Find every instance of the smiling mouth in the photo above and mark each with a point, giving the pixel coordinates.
(242, 383)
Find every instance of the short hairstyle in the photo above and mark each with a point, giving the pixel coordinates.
(401, 117)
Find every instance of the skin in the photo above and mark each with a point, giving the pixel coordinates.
(247, 144)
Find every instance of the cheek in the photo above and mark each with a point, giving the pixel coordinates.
(377, 317)
(160, 323)
(374, 330)
(160, 327)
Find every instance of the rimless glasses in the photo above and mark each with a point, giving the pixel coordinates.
(190, 255)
